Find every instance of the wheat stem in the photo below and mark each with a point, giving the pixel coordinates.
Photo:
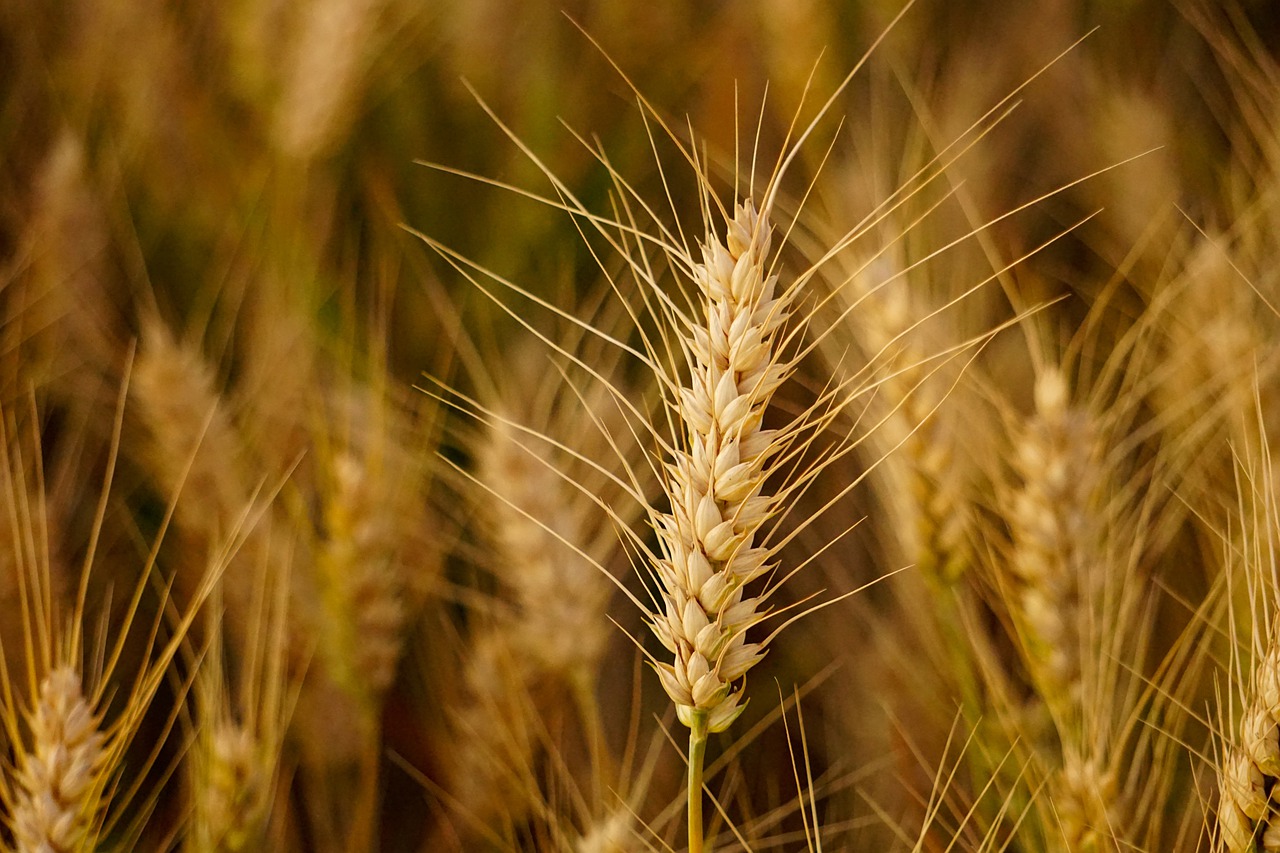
(697, 752)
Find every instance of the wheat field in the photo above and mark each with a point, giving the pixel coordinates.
(639, 428)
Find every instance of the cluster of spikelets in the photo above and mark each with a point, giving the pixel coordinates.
(55, 806)
(258, 592)
(710, 551)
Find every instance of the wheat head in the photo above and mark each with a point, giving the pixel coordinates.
(716, 482)
(58, 802)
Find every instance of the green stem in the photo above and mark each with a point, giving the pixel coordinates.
(697, 749)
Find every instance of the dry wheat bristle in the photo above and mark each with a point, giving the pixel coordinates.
(33, 565)
(60, 777)
(708, 541)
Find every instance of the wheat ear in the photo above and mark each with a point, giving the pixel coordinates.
(1052, 519)
(534, 516)
(325, 76)
(716, 487)
(59, 779)
(540, 483)
(193, 453)
(1248, 815)
(239, 728)
(924, 481)
(540, 465)
(362, 585)
(1246, 809)
(1056, 520)
(615, 833)
(232, 795)
(716, 482)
